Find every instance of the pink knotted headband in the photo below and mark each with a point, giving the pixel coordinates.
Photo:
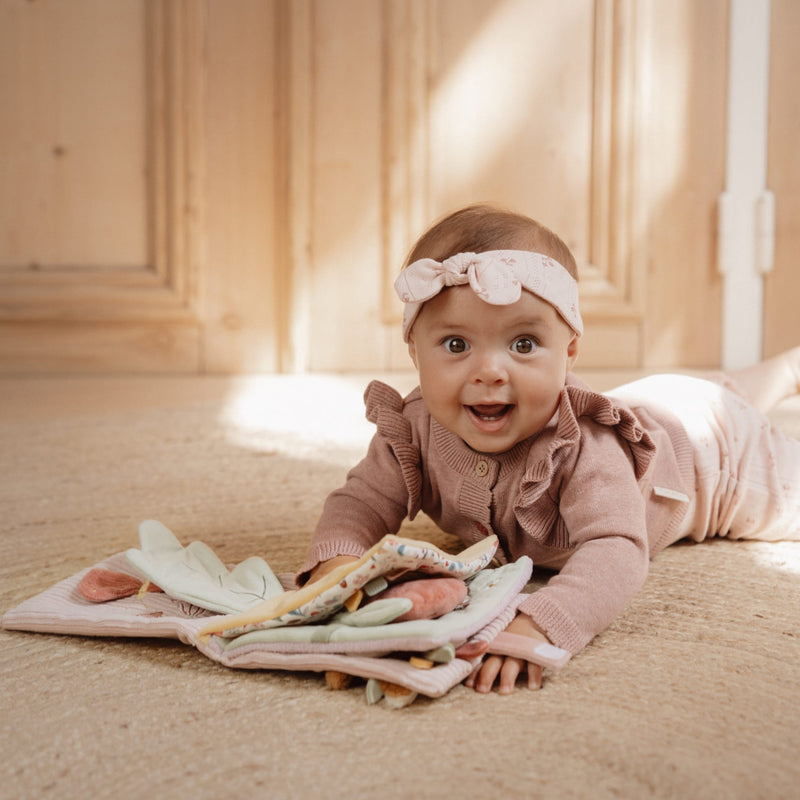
(496, 276)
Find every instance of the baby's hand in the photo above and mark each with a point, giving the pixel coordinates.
(507, 668)
(324, 567)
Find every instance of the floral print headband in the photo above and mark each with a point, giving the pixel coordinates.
(496, 276)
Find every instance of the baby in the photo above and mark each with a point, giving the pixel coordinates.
(500, 437)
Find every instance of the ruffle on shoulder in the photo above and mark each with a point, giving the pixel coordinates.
(578, 401)
(385, 410)
(603, 410)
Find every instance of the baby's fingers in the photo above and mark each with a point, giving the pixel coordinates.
(482, 679)
(511, 670)
(505, 671)
(509, 673)
(534, 676)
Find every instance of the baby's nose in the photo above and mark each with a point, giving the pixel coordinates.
(490, 368)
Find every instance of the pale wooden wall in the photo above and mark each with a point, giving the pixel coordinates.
(231, 185)
(782, 285)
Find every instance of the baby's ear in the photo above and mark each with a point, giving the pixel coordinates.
(572, 353)
(412, 350)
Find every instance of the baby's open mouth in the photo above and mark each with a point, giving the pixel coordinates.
(490, 413)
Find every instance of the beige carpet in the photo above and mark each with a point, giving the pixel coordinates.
(693, 693)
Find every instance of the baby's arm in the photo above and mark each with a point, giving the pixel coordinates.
(372, 502)
(506, 669)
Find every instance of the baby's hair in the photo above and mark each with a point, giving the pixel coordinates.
(482, 227)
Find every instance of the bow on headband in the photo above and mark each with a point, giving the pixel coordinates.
(497, 277)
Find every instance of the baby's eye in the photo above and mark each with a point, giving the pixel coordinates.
(524, 345)
(455, 344)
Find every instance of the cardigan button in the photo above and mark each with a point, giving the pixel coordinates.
(481, 469)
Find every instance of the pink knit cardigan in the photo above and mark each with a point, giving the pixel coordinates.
(585, 496)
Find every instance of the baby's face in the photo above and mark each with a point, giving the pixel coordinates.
(491, 374)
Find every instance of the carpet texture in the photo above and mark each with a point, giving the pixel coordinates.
(693, 693)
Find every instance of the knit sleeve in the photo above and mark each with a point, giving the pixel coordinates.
(379, 492)
(603, 514)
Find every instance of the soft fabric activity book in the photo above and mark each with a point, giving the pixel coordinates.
(407, 617)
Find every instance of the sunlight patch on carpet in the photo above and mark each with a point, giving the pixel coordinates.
(783, 556)
(307, 416)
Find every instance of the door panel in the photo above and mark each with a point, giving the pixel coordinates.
(99, 202)
(601, 119)
(79, 154)
(140, 186)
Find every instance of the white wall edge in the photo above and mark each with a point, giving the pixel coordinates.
(745, 183)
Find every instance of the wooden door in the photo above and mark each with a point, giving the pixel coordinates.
(138, 186)
(231, 185)
(604, 119)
